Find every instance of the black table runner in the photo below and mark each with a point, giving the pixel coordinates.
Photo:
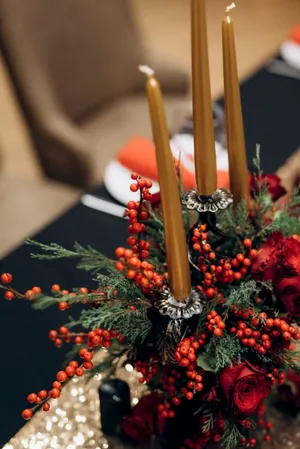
(29, 361)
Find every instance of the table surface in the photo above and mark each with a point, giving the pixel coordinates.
(29, 361)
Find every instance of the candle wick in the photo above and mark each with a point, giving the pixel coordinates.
(146, 70)
(230, 7)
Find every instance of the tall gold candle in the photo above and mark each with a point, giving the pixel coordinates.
(175, 239)
(234, 119)
(204, 140)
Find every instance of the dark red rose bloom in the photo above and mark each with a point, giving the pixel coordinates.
(279, 257)
(288, 292)
(245, 387)
(144, 421)
(263, 266)
(272, 181)
(289, 257)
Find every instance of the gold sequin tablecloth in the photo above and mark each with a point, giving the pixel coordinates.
(74, 421)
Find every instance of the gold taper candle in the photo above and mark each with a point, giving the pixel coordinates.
(204, 140)
(175, 239)
(234, 119)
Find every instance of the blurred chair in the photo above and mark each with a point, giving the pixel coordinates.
(74, 64)
(28, 201)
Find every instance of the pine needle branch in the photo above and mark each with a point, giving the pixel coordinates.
(118, 317)
(242, 296)
(89, 258)
(224, 350)
(232, 436)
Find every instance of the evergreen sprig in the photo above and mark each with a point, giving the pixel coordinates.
(242, 296)
(232, 436)
(222, 351)
(113, 281)
(89, 258)
(118, 317)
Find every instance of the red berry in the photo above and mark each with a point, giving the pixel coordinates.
(210, 292)
(61, 376)
(252, 442)
(267, 437)
(54, 393)
(79, 371)
(55, 288)
(46, 407)
(287, 336)
(63, 330)
(82, 352)
(29, 294)
(62, 305)
(73, 363)
(251, 342)
(189, 395)
(27, 413)
(184, 362)
(176, 401)
(42, 394)
(119, 266)
(247, 243)
(9, 295)
(133, 187)
(6, 278)
(240, 333)
(240, 258)
(58, 342)
(70, 371)
(88, 365)
(32, 397)
(253, 253)
(218, 332)
(119, 252)
(78, 340)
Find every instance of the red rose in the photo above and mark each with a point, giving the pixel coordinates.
(263, 266)
(144, 421)
(289, 257)
(272, 182)
(245, 387)
(277, 258)
(288, 292)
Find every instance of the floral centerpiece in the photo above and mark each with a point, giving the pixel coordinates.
(203, 300)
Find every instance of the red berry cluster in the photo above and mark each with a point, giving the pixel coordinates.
(64, 305)
(141, 184)
(186, 357)
(137, 268)
(262, 332)
(148, 369)
(6, 279)
(42, 398)
(219, 271)
(93, 339)
(215, 323)
(200, 245)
